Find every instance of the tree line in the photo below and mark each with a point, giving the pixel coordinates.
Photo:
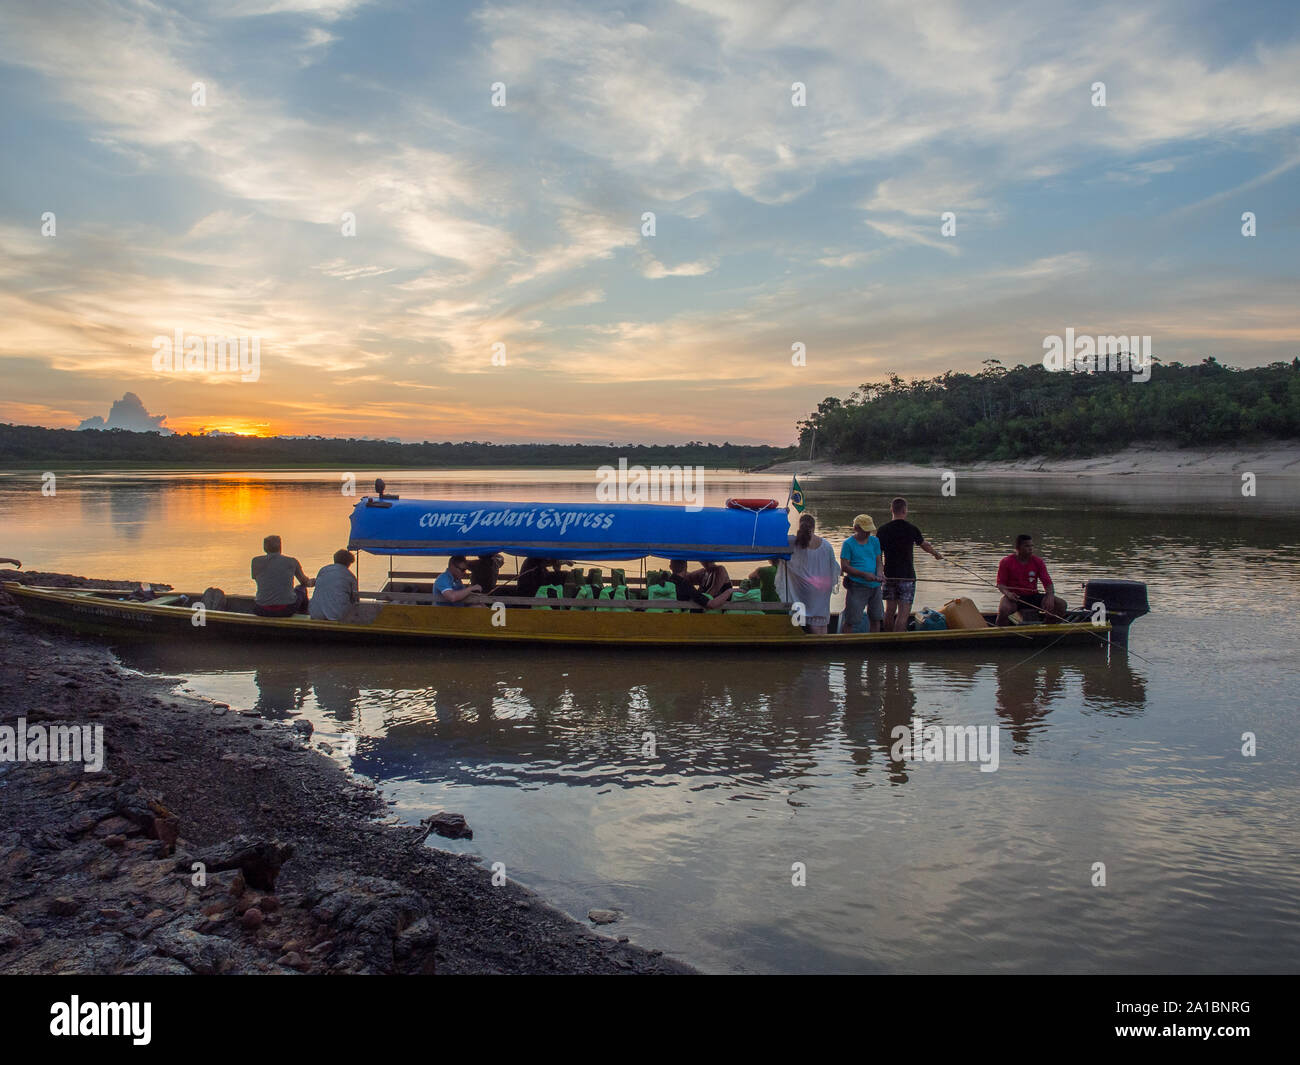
(1000, 413)
(35, 446)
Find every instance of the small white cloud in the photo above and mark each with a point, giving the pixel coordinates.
(656, 269)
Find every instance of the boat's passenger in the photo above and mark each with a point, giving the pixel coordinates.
(449, 589)
(1018, 577)
(766, 577)
(897, 538)
(484, 571)
(532, 575)
(687, 592)
(862, 563)
(275, 574)
(812, 574)
(713, 583)
(336, 589)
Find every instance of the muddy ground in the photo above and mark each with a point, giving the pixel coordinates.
(98, 869)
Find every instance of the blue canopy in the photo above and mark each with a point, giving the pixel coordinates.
(588, 531)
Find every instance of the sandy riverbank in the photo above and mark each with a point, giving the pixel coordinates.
(1151, 461)
(96, 869)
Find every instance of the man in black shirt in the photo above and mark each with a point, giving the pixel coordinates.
(897, 537)
(686, 590)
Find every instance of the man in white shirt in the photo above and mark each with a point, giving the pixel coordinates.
(336, 589)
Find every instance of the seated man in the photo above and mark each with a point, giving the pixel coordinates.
(275, 573)
(686, 590)
(336, 589)
(533, 574)
(713, 582)
(485, 569)
(1018, 577)
(449, 589)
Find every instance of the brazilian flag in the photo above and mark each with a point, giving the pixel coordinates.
(796, 495)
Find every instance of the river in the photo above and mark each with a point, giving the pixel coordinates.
(690, 791)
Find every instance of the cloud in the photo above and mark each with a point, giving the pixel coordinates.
(655, 269)
(129, 413)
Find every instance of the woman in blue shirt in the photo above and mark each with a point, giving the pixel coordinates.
(863, 569)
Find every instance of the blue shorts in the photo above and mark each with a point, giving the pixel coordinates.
(901, 588)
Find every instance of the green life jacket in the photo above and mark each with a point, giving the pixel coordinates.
(754, 595)
(610, 592)
(586, 591)
(549, 591)
(767, 583)
(667, 590)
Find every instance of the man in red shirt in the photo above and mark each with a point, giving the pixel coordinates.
(1018, 577)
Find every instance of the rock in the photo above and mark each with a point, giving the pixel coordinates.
(111, 913)
(252, 918)
(268, 903)
(321, 949)
(12, 933)
(452, 826)
(259, 860)
(114, 841)
(157, 965)
(603, 916)
(291, 958)
(303, 727)
(63, 906)
(203, 954)
(83, 822)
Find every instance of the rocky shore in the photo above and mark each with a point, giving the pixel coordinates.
(213, 841)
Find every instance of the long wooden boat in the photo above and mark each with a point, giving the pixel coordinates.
(402, 611)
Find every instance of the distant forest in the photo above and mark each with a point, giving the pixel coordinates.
(1000, 414)
(33, 446)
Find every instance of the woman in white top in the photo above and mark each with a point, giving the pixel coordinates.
(811, 575)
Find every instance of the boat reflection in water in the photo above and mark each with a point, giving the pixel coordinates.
(478, 716)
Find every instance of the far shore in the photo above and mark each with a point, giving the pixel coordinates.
(1281, 459)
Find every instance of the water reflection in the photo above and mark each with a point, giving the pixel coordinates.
(492, 716)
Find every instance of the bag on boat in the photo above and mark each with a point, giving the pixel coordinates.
(214, 599)
(931, 621)
(962, 613)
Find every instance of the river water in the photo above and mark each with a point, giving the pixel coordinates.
(690, 791)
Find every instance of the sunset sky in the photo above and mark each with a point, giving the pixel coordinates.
(522, 225)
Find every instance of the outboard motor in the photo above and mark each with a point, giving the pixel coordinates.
(1125, 602)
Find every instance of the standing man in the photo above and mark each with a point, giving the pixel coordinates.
(275, 574)
(861, 562)
(897, 537)
(1018, 577)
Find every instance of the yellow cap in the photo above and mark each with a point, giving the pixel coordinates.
(864, 522)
